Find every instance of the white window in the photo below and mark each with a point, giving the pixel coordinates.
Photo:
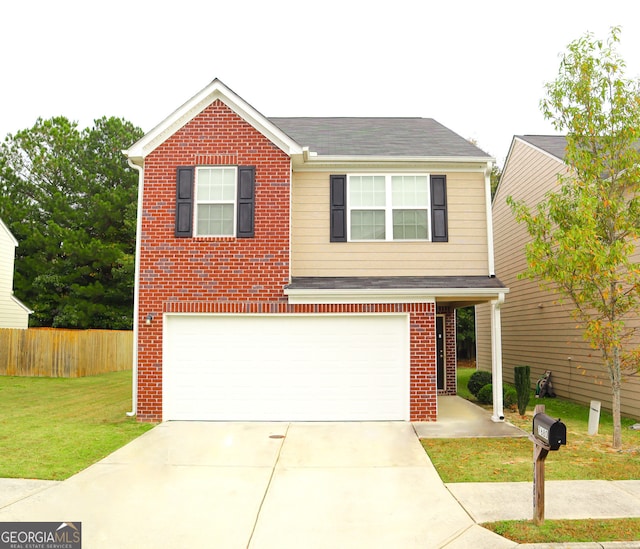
(215, 201)
(388, 207)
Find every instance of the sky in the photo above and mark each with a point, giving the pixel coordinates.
(478, 67)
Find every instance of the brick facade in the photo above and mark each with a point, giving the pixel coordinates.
(242, 275)
(451, 360)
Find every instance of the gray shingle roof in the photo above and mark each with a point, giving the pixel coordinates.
(394, 282)
(553, 144)
(377, 137)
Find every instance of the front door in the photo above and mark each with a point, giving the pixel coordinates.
(440, 352)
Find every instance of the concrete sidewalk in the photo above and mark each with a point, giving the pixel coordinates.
(494, 501)
(459, 418)
(564, 499)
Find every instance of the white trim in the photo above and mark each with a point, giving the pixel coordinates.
(546, 153)
(387, 295)
(496, 358)
(489, 214)
(198, 103)
(389, 206)
(22, 305)
(136, 286)
(398, 164)
(508, 157)
(289, 277)
(199, 202)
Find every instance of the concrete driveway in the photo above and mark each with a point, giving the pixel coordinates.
(261, 485)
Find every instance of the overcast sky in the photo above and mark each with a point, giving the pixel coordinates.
(478, 67)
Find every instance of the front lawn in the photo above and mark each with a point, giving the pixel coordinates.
(584, 457)
(52, 428)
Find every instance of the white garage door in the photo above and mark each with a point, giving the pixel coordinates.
(286, 367)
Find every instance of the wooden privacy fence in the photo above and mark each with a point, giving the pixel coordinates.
(50, 352)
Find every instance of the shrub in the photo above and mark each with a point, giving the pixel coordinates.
(522, 378)
(485, 395)
(509, 396)
(477, 381)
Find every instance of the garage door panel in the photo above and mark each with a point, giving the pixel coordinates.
(285, 368)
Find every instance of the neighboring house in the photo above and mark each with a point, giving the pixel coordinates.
(536, 330)
(304, 268)
(13, 313)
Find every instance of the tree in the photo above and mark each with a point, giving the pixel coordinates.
(69, 197)
(465, 333)
(496, 174)
(583, 237)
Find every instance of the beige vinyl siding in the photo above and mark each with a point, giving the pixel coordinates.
(465, 254)
(7, 254)
(536, 329)
(12, 314)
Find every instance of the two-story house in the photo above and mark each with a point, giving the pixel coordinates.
(305, 268)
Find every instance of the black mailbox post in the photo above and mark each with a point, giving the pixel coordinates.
(550, 432)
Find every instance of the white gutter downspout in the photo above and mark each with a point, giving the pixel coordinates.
(487, 192)
(496, 358)
(136, 290)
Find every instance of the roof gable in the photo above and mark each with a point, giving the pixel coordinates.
(311, 139)
(194, 106)
(555, 145)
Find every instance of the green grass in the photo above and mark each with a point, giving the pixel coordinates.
(52, 428)
(575, 531)
(463, 378)
(584, 457)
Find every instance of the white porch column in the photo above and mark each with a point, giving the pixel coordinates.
(496, 358)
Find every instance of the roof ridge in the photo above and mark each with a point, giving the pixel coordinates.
(354, 117)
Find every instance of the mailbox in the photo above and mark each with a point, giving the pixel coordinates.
(548, 431)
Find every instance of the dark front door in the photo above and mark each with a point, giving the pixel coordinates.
(440, 351)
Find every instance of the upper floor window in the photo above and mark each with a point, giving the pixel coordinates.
(215, 201)
(388, 207)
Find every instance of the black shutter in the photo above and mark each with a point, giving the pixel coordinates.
(439, 225)
(246, 201)
(338, 208)
(184, 202)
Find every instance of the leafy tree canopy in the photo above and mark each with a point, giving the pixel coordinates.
(583, 237)
(69, 198)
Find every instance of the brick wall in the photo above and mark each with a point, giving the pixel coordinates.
(424, 406)
(208, 268)
(450, 387)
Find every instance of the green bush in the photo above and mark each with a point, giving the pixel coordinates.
(477, 381)
(509, 395)
(485, 395)
(522, 378)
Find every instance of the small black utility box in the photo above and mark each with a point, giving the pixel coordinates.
(550, 432)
